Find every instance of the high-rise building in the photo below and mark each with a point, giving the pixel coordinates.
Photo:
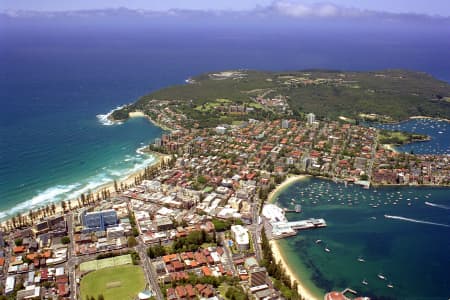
(240, 235)
(157, 142)
(311, 118)
(99, 220)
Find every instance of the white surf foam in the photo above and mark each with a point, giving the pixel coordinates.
(140, 150)
(50, 195)
(415, 221)
(104, 118)
(58, 193)
(92, 184)
(437, 205)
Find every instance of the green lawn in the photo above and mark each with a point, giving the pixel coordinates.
(115, 283)
(98, 264)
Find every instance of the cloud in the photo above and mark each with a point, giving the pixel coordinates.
(293, 10)
(302, 10)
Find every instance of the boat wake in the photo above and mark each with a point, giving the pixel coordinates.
(415, 221)
(104, 118)
(437, 205)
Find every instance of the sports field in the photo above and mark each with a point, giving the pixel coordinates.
(105, 263)
(115, 283)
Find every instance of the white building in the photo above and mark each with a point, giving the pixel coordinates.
(240, 235)
(311, 118)
(115, 232)
(10, 283)
(285, 124)
(273, 213)
(221, 130)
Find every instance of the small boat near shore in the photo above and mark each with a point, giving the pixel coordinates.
(364, 282)
(318, 241)
(390, 285)
(381, 276)
(361, 259)
(327, 249)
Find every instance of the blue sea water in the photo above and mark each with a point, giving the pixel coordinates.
(401, 233)
(56, 79)
(437, 130)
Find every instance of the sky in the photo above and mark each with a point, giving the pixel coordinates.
(429, 7)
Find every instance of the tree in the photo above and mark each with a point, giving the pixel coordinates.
(201, 179)
(156, 251)
(132, 242)
(100, 297)
(63, 205)
(65, 240)
(18, 242)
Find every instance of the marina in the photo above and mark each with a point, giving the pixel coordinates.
(416, 217)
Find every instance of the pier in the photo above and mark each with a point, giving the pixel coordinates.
(285, 229)
(298, 209)
(277, 226)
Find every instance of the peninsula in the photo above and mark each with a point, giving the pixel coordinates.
(225, 97)
(194, 224)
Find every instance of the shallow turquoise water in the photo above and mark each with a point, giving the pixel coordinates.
(413, 255)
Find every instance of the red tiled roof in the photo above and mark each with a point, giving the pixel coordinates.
(335, 296)
(206, 271)
(19, 249)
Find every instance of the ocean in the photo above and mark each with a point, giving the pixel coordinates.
(56, 80)
(56, 83)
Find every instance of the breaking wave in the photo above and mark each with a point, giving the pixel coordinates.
(437, 205)
(415, 221)
(104, 118)
(72, 191)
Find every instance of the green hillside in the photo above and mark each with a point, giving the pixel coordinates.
(395, 94)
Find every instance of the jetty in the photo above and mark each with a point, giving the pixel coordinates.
(277, 226)
(297, 209)
(285, 229)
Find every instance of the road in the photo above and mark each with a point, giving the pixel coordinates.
(71, 262)
(255, 230)
(150, 273)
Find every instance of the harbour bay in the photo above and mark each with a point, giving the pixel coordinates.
(399, 233)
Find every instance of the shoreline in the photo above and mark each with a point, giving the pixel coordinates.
(304, 292)
(390, 147)
(74, 205)
(432, 118)
(288, 181)
(140, 114)
(109, 186)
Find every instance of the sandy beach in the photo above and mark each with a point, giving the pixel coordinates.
(140, 114)
(302, 290)
(74, 205)
(137, 114)
(389, 147)
(277, 253)
(288, 181)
